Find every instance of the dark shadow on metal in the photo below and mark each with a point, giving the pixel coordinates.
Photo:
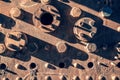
(7, 22)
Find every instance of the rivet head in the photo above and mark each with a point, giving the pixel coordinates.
(15, 12)
(75, 12)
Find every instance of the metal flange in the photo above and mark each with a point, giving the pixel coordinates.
(84, 29)
(15, 41)
(47, 18)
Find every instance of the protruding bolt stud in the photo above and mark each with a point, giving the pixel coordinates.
(5, 78)
(91, 47)
(113, 64)
(2, 48)
(45, 1)
(75, 12)
(18, 78)
(15, 12)
(106, 11)
(76, 78)
(101, 78)
(114, 77)
(61, 47)
(18, 66)
(75, 64)
(118, 29)
(46, 65)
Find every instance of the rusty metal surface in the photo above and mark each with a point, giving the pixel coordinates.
(59, 40)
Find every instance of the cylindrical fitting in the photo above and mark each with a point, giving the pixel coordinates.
(18, 78)
(76, 78)
(15, 12)
(61, 47)
(17, 66)
(5, 78)
(118, 29)
(91, 47)
(75, 12)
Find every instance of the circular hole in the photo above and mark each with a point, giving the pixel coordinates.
(116, 78)
(2, 66)
(118, 65)
(61, 65)
(103, 78)
(46, 18)
(90, 64)
(32, 65)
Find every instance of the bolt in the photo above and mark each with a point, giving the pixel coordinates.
(61, 47)
(89, 78)
(113, 64)
(19, 78)
(45, 1)
(116, 57)
(15, 12)
(118, 29)
(2, 48)
(46, 65)
(75, 78)
(5, 78)
(114, 77)
(75, 12)
(91, 47)
(48, 78)
(17, 66)
(75, 64)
